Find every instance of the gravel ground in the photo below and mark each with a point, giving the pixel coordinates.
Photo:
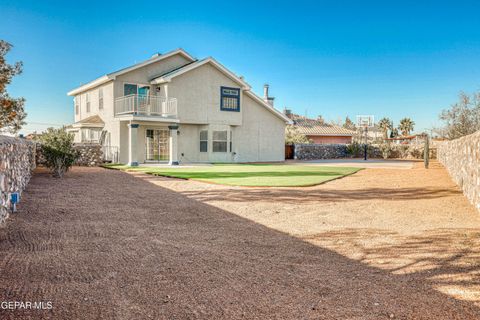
(380, 244)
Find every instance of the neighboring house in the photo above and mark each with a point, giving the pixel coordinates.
(318, 131)
(174, 108)
(374, 135)
(411, 139)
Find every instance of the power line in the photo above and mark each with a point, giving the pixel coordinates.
(45, 124)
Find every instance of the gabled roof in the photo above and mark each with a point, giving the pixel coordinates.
(312, 127)
(93, 121)
(113, 75)
(268, 107)
(167, 77)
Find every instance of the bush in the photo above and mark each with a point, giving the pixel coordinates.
(355, 149)
(386, 150)
(58, 151)
(403, 150)
(417, 153)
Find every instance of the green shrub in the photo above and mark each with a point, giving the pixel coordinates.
(58, 151)
(403, 150)
(385, 149)
(355, 149)
(417, 152)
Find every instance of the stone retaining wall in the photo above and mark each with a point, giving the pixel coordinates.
(320, 151)
(461, 158)
(339, 151)
(17, 160)
(89, 154)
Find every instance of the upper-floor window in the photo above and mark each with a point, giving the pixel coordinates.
(219, 140)
(129, 89)
(100, 99)
(229, 99)
(203, 141)
(87, 98)
(77, 105)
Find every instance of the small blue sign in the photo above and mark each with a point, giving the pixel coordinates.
(14, 197)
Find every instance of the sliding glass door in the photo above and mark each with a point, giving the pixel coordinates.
(156, 145)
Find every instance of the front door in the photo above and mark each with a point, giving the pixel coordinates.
(157, 145)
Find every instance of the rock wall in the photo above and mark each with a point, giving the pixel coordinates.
(338, 151)
(17, 160)
(89, 154)
(320, 151)
(461, 158)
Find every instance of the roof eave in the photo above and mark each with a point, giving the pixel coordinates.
(269, 107)
(187, 68)
(328, 134)
(90, 85)
(113, 75)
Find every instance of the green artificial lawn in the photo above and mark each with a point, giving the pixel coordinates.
(258, 175)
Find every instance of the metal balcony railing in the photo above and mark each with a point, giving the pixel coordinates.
(146, 105)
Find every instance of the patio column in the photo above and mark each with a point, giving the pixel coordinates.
(173, 160)
(132, 144)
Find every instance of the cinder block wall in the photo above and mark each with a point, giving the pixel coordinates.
(17, 160)
(461, 158)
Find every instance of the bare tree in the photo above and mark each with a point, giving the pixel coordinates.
(463, 117)
(293, 136)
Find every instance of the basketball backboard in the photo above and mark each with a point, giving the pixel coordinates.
(365, 121)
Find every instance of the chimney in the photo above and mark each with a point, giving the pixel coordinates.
(287, 112)
(266, 97)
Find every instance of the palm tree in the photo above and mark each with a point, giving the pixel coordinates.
(385, 124)
(406, 126)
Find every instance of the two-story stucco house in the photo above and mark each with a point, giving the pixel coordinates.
(174, 108)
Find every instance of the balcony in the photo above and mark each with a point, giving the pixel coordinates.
(146, 105)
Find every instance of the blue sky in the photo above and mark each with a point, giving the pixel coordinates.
(334, 58)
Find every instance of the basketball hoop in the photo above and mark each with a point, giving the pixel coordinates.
(365, 122)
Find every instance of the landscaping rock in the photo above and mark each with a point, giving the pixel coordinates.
(89, 154)
(17, 160)
(461, 158)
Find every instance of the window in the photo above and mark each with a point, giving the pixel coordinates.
(129, 89)
(77, 105)
(229, 99)
(100, 99)
(219, 141)
(87, 97)
(203, 141)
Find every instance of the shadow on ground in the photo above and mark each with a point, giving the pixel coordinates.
(104, 244)
(322, 195)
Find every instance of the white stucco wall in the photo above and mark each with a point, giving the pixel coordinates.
(198, 97)
(145, 74)
(261, 137)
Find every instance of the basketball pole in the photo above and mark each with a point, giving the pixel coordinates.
(365, 145)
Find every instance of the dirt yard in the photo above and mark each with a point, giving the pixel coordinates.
(380, 244)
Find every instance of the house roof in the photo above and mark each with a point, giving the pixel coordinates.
(113, 75)
(167, 77)
(313, 127)
(93, 121)
(267, 106)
